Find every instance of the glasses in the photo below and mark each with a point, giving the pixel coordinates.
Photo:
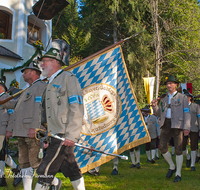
(43, 61)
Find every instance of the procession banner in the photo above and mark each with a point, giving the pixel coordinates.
(149, 87)
(112, 119)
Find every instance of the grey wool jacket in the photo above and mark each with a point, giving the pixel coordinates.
(180, 113)
(27, 111)
(4, 116)
(153, 127)
(195, 117)
(64, 106)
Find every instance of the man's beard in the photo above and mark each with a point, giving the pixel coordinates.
(44, 73)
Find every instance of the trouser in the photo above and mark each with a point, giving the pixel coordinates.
(193, 141)
(28, 152)
(58, 157)
(135, 148)
(151, 145)
(3, 150)
(157, 142)
(167, 133)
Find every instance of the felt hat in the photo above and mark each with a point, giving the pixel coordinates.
(53, 53)
(33, 65)
(170, 78)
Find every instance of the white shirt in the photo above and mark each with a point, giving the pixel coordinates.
(54, 75)
(168, 115)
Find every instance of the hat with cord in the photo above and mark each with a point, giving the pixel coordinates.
(53, 53)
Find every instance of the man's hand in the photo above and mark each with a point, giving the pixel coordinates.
(68, 143)
(8, 135)
(154, 102)
(31, 133)
(186, 132)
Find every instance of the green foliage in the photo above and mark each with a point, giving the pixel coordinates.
(101, 20)
(37, 51)
(93, 29)
(68, 28)
(179, 23)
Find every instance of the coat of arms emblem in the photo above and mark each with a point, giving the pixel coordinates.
(102, 108)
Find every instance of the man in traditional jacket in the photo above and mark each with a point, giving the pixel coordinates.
(4, 118)
(26, 120)
(154, 132)
(194, 132)
(63, 115)
(174, 119)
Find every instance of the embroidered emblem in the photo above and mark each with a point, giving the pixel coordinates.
(185, 110)
(107, 104)
(38, 99)
(102, 108)
(56, 88)
(75, 99)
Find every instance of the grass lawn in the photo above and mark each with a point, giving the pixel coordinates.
(149, 177)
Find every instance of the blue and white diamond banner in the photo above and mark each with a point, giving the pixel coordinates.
(112, 121)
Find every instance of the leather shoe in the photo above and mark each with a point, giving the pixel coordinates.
(193, 168)
(138, 165)
(188, 162)
(56, 187)
(114, 172)
(152, 161)
(177, 178)
(3, 181)
(94, 172)
(170, 173)
(17, 176)
(133, 166)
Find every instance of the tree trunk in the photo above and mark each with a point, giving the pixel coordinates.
(115, 27)
(157, 42)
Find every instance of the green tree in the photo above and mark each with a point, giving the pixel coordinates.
(101, 23)
(67, 27)
(109, 21)
(179, 29)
